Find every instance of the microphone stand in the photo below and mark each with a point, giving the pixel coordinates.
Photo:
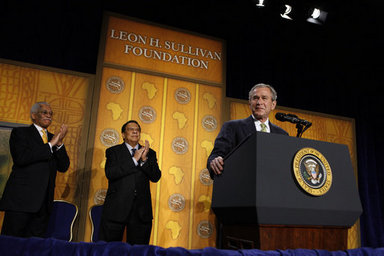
(301, 129)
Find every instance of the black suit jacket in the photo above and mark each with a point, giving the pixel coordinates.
(33, 175)
(232, 133)
(127, 182)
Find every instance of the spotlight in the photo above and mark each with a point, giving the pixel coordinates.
(287, 11)
(317, 16)
(259, 3)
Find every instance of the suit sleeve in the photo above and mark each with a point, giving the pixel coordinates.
(62, 159)
(24, 152)
(118, 165)
(224, 143)
(151, 168)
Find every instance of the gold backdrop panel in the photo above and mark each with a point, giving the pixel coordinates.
(123, 96)
(18, 92)
(172, 108)
(324, 128)
(21, 87)
(147, 47)
(114, 103)
(172, 119)
(148, 111)
(202, 228)
(177, 164)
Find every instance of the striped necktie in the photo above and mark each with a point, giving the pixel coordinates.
(263, 127)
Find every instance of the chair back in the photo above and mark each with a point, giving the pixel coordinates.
(61, 221)
(95, 216)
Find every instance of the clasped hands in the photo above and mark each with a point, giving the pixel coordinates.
(141, 153)
(57, 139)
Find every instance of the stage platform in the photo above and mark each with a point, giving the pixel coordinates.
(11, 246)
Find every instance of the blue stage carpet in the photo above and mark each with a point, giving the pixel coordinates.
(11, 246)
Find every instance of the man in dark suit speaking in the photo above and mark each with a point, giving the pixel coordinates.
(262, 100)
(129, 168)
(37, 156)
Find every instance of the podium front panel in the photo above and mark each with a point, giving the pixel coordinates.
(258, 185)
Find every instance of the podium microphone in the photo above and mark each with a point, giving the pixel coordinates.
(292, 118)
(301, 124)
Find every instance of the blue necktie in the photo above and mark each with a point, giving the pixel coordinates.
(133, 151)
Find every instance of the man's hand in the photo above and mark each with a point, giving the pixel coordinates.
(63, 132)
(217, 165)
(145, 151)
(57, 139)
(142, 152)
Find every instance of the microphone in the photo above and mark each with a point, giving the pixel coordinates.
(292, 118)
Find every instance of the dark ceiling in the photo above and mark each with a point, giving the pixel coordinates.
(320, 68)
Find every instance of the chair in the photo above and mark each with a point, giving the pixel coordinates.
(61, 221)
(95, 216)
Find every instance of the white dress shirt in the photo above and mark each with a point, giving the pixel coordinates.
(130, 151)
(258, 125)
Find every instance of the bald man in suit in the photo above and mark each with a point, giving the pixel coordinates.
(262, 100)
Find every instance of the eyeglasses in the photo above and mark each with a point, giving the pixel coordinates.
(45, 112)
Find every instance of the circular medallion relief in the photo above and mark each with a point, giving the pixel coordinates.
(115, 84)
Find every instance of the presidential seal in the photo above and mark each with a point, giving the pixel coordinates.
(312, 171)
(115, 84)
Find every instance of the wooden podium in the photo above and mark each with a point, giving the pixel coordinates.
(260, 202)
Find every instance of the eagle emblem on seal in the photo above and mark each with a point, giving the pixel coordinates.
(313, 171)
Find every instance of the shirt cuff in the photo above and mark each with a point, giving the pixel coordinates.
(142, 162)
(59, 147)
(134, 160)
(50, 146)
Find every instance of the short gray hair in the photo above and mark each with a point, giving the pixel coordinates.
(36, 107)
(261, 85)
